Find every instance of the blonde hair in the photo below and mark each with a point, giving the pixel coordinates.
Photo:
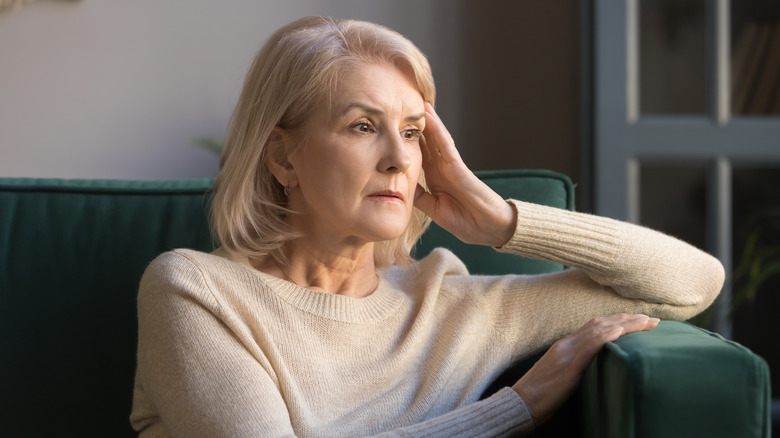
(297, 69)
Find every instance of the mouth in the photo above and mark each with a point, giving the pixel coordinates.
(387, 195)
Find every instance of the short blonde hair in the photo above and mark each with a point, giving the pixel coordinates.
(297, 69)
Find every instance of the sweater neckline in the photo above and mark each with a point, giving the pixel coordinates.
(380, 304)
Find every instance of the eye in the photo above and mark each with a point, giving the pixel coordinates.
(411, 134)
(362, 127)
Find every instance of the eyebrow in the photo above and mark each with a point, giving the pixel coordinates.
(378, 112)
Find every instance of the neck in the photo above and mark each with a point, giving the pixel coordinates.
(350, 272)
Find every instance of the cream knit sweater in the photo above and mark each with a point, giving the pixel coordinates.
(227, 351)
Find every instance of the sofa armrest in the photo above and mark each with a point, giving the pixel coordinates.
(675, 381)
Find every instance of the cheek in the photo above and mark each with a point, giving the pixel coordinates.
(340, 180)
(416, 166)
(416, 154)
(322, 165)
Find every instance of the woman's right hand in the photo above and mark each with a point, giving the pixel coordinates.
(553, 379)
(457, 200)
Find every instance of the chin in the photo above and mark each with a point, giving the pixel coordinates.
(385, 227)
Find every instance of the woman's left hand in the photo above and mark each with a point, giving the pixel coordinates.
(554, 377)
(457, 200)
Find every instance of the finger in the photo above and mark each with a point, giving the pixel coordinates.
(592, 336)
(588, 343)
(641, 324)
(433, 123)
(428, 156)
(621, 318)
(634, 322)
(653, 323)
(438, 138)
(608, 328)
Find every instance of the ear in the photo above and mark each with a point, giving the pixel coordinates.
(277, 157)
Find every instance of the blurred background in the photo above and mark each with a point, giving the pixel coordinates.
(663, 112)
(119, 89)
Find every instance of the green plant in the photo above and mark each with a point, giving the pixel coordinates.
(760, 258)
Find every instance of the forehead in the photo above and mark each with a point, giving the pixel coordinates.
(383, 85)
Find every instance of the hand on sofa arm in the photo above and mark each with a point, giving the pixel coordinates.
(553, 379)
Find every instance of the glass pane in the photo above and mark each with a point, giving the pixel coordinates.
(673, 201)
(755, 57)
(672, 57)
(756, 255)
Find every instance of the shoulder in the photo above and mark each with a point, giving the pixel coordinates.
(180, 263)
(443, 260)
(182, 260)
(200, 276)
(440, 263)
(441, 276)
(177, 272)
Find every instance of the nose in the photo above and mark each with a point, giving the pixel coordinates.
(396, 157)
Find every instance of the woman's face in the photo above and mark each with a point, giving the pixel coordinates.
(358, 167)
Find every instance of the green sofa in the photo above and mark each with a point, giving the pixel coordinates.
(72, 253)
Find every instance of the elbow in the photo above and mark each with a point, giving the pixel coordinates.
(696, 291)
(717, 280)
(720, 277)
(713, 277)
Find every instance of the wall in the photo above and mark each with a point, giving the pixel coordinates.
(520, 98)
(119, 89)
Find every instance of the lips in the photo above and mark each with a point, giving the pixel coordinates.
(388, 195)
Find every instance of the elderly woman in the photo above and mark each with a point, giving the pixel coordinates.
(311, 319)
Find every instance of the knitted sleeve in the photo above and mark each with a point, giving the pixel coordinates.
(502, 415)
(617, 268)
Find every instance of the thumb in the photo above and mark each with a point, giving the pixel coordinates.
(423, 200)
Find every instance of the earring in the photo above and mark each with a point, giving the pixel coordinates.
(286, 191)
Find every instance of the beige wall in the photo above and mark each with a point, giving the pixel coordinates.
(119, 89)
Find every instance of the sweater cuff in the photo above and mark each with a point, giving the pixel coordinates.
(516, 409)
(503, 414)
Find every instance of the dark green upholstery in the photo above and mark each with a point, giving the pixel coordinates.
(71, 256)
(72, 253)
(676, 381)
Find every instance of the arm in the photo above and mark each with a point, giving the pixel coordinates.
(674, 279)
(503, 414)
(619, 268)
(634, 262)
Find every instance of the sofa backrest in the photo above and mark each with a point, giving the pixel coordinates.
(71, 255)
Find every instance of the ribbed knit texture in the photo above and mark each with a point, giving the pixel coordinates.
(225, 350)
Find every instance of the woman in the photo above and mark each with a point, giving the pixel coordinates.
(312, 320)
